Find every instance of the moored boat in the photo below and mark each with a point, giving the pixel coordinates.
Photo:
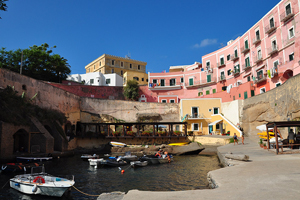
(18, 167)
(41, 183)
(86, 157)
(95, 162)
(117, 144)
(33, 159)
(135, 164)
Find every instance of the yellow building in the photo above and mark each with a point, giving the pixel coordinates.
(107, 64)
(204, 117)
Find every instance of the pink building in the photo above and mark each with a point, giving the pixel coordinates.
(261, 59)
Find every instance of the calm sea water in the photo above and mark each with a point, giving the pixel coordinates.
(185, 173)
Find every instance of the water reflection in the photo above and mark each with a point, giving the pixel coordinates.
(185, 173)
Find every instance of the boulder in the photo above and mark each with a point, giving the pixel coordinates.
(192, 148)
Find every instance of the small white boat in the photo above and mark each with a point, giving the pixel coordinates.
(135, 164)
(41, 183)
(118, 144)
(86, 157)
(95, 162)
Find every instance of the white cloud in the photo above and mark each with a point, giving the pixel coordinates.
(205, 43)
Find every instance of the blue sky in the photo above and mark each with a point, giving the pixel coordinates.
(162, 33)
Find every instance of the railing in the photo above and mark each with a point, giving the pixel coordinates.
(221, 64)
(273, 49)
(222, 78)
(256, 39)
(167, 84)
(260, 78)
(286, 15)
(234, 57)
(236, 71)
(245, 49)
(258, 59)
(246, 67)
(270, 28)
(196, 116)
(201, 82)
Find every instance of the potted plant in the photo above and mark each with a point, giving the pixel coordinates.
(177, 133)
(190, 133)
(116, 133)
(228, 133)
(265, 146)
(130, 133)
(146, 133)
(261, 143)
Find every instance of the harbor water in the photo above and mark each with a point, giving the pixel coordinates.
(185, 173)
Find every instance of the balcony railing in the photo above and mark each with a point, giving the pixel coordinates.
(245, 49)
(256, 39)
(258, 59)
(201, 82)
(286, 15)
(246, 67)
(221, 64)
(274, 71)
(234, 57)
(166, 86)
(236, 71)
(273, 49)
(222, 78)
(260, 78)
(196, 116)
(270, 28)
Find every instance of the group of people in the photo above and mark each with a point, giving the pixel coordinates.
(162, 154)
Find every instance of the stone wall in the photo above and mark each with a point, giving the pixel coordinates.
(279, 104)
(128, 110)
(233, 110)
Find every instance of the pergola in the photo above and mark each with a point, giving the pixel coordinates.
(275, 125)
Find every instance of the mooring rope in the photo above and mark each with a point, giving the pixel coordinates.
(84, 192)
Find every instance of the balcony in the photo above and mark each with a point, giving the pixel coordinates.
(258, 59)
(274, 71)
(222, 78)
(256, 40)
(165, 86)
(246, 67)
(201, 83)
(196, 116)
(236, 71)
(260, 78)
(245, 49)
(286, 15)
(273, 49)
(234, 57)
(221, 64)
(270, 28)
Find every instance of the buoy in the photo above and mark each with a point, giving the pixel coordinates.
(122, 171)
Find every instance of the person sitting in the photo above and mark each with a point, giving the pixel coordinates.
(158, 154)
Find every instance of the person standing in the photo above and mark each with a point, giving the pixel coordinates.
(242, 134)
(291, 138)
(235, 139)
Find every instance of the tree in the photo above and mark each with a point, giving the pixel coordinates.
(3, 5)
(131, 90)
(37, 62)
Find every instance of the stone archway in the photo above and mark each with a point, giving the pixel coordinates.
(21, 141)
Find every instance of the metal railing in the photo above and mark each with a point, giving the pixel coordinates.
(220, 64)
(244, 49)
(201, 82)
(222, 78)
(246, 67)
(258, 59)
(256, 39)
(270, 28)
(260, 78)
(287, 14)
(272, 49)
(234, 57)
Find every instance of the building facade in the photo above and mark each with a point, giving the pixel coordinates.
(97, 79)
(261, 59)
(109, 64)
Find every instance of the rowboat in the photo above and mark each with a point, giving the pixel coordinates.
(41, 183)
(118, 144)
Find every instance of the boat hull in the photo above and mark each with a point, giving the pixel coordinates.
(136, 164)
(33, 159)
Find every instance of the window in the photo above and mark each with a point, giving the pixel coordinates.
(228, 57)
(130, 66)
(288, 9)
(257, 37)
(276, 63)
(246, 44)
(216, 111)
(262, 90)
(172, 82)
(260, 74)
(195, 127)
(139, 67)
(240, 95)
(154, 80)
(278, 84)
(108, 81)
(291, 56)
(291, 33)
(274, 46)
(222, 75)
(259, 55)
(218, 126)
(191, 81)
(181, 80)
(208, 65)
(164, 101)
(229, 72)
(100, 63)
(247, 62)
(112, 62)
(200, 94)
(122, 64)
(121, 72)
(142, 79)
(235, 53)
(136, 78)
(245, 95)
(94, 67)
(248, 78)
(207, 92)
(91, 81)
(252, 93)
(172, 101)
(162, 82)
(112, 71)
(222, 61)
(194, 112)
(233, 97)
(147, 80)
(272, 24)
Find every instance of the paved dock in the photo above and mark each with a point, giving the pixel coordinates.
(265, 176)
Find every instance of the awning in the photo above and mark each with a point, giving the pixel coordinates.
(215, 122)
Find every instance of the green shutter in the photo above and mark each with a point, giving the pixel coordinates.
(191, 81)
(245, 95)
(208, 78)
(252, 93)
(207, 91)
(214, 90)
(246, 44)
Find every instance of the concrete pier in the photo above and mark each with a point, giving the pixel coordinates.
(265, 176)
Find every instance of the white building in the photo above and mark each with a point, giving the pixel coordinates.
(97, 79)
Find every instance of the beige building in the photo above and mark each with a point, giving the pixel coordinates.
(108, 64)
